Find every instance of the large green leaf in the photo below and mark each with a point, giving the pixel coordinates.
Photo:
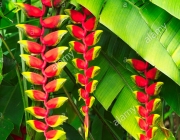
(143, 31)
(172, 6)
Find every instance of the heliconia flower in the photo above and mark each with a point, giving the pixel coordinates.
(54, 55)
(92, 38)
(152, 119)
(54, 3)
(37, 112)
(32, 61)
(37, 125)
(76, 16)
(86, 125)
(76, 31)
(52, 39)
(84, 110)
(92, 71)
(53, 21)
(79, 63)
(153, 104)
(56, 120)
(34, 78)
(138, 64)
(154, 88)
(89, 101)
(54, 69)
(139, 81)
(143, 112)
(90, 24)
(77, 46)
(141, 97)
(81, 79)
(31, 31)
(56, 102)
(83, 94)
(29, 10)
(36, 95)
(55, 134)
(142, 137)
(142, 124)
(151, 132)
(153, 74)
(31, 47)
(86, 11)
(92, 53)
(55, 85)
(91, 86)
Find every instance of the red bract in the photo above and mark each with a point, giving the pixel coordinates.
(139, 81)
(90, 24)
(76, 31)
(29, 10)
(77, 46)
(152, 74)
(154, 88)
(138, 64)
(76, 16)
(45, 72)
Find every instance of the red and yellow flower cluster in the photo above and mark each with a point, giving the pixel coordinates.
(86, 36)
(44, 60)
(148, 98)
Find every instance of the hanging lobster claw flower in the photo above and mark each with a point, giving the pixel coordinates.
(56, 102)
(77, 46)
(92, 38)
(79, 63)
(141, 97)
(81, 79)
(153, 74)
(153, 104)
(91, 86)
(83, 94)
(36, 95)
(139, 81)
(32, 61)
(34, 78)
(30, 31)
(54, 55)
(76, 31)
(92, 71)
(86, 11)
(37, 125)
(76, 16)
(137, 64)
(86, 125)
(37, 112)
(55, 85)
(54, 69)
(53, 21)
(54, 3)
(143, 112)
(90, 24)
(154, 88)
(55, 134)
(92, 53)
(84, 110)
(89, 101)
(56, 120)
(29, 10)
(142, 137)
(151, 132)
(52, 39)
(31, 47)
(142, 124)
(152, 119)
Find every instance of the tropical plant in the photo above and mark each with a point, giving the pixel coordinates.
(144, 33)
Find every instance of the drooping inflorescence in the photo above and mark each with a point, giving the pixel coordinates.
(148, 98)
(86, 36)
(44, 60)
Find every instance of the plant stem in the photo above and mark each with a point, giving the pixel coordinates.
(113, 133)
(75, 109)
(17, 72)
